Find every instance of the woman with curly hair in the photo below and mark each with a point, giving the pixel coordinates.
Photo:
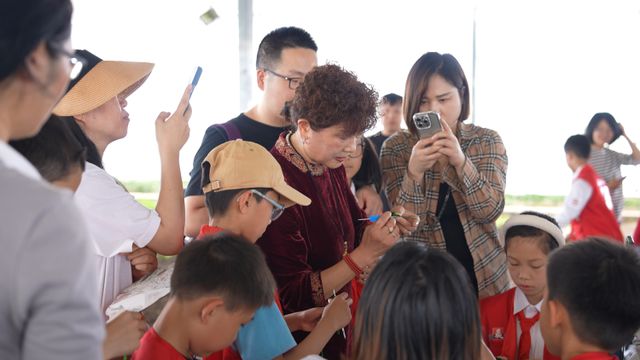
(317, 250)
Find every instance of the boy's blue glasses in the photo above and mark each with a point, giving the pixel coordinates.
(277, 209)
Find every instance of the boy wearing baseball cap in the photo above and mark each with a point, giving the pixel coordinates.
(245, 191)
(510, 326)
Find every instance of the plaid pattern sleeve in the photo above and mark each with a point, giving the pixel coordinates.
(478, 195)
(484, 175)
(394, 159)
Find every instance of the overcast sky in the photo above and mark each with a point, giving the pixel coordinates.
(543, 67)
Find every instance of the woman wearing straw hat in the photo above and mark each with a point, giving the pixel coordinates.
(120, 227)
(48, 305)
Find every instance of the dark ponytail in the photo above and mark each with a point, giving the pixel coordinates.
(92, 151)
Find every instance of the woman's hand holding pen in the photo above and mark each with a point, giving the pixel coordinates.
(406, 220)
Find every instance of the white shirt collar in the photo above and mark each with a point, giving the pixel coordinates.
(14, 160)
(520, 302)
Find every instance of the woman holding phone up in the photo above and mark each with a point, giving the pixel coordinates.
(126, 235)
(454, 180)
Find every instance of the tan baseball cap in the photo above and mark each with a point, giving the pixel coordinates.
(240, 164)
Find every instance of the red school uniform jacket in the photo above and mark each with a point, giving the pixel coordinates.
(596, 219)
(153, 347)
(499, 325)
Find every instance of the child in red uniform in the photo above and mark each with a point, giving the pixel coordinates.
(588, 207)
(244, 191)
(592, 300)
(510, 325)
(216, 286)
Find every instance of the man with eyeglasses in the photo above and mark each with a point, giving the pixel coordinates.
(245, 191)
(284, 57)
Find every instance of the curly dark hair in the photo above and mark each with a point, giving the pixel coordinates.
(331, 95)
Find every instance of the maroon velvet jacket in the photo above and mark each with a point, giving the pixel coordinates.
(307, 240)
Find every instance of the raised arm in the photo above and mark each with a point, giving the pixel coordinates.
(172, 132)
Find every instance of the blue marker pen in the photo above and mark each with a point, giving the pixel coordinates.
(374, 218)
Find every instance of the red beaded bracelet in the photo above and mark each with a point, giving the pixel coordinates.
(352, 264)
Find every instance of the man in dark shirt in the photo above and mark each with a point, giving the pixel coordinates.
(284, 57)
(391, 117)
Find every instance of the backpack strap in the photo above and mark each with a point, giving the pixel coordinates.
(230, 130)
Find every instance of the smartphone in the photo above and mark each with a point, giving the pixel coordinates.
(195, 80)
(427, 123)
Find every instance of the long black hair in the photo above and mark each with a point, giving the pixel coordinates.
(611, 121)
(26, 23)
(369, 172)
(418, 303)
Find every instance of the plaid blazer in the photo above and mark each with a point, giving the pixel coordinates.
(478, 194)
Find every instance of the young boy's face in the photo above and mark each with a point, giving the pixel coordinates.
(569, 157)
(391, 116)
(221, 331)
(549, 334)
(260, 216)
(528, 266)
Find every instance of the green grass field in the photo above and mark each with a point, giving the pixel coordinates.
(511, 200)
(525, 200)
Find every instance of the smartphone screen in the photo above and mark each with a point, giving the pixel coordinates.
(195, 80)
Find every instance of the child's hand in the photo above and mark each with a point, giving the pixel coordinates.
(308, 319)
(338, 312)
(123, 334)
(143, 262)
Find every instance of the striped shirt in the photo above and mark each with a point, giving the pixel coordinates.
(478, 195)
(607, 164)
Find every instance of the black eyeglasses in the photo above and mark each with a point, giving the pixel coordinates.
(77, 62)
(277, 209)
(294, 82)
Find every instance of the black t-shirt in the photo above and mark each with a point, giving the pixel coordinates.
(454, 234)
(377, 140)
(250, 130)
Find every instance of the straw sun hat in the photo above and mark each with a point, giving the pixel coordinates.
(100, 81)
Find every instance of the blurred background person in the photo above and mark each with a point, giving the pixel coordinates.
(390, 111)
(602, 131)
